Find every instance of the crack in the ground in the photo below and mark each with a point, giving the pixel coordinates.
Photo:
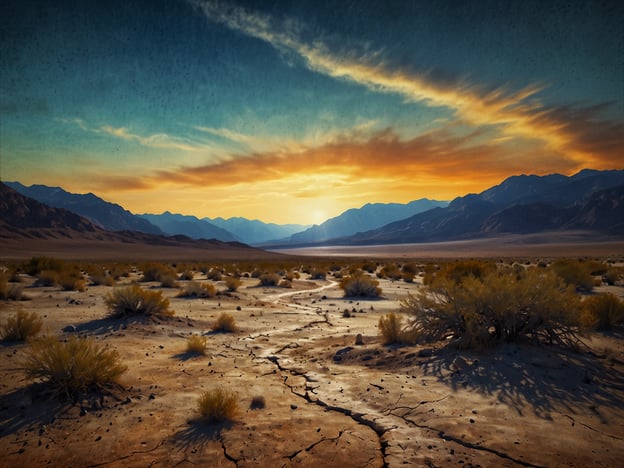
(311, 446)
(357, 417)
(227, 455)
(131, 454)
(591, 428)
(449, 438)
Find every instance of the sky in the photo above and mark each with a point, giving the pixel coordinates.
(294, 111)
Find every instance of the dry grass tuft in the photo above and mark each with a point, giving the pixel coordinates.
(22, 326)
(132, 300)
(232, 283)
(225, 324)
(217, 405)
(603, 311)
(196, 289)
(196, 344)
(72, 366)
(360, 285)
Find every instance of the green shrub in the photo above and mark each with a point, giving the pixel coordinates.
(132, 300)
(457, 271)
(217, 405)
(501, 306)
(232, 283)
(72, 366)
(196, 289)
(269, 279)
(22, 326)
(603, 311)
(574, 273)
(360, 285)
(196, 344)
(318, 274)
(225, 324)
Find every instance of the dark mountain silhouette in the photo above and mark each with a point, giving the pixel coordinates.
(589, 200)
(29, 227)
(191, 226)
(369, 216)
(255, 231)
(108, 216)
(20, 212)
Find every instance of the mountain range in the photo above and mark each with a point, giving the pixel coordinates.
(28, 227)
(589, 200)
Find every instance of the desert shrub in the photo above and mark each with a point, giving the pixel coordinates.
(73, 365)
(132, 300)
(38, 264)
(214, 274)
(501, 306)
(20, 327)
(186, 275)
(390, 272)
(613, 275)
(196, 289)
(392, 330)
(410, 268)
(101, 278)
(603, 311)
(408, 277)
(596, 268)
(11, 291)
(225, 324)
(360, 285)
(217, 405)
(574, 273)
(369, 267)
(291, 276)
(196, 344)
(47, 278)
(157, 272)
(232, 283)
(71, 280)
(318, 274)
(269, 279)
(457, 271)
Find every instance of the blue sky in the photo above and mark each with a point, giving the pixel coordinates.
(296, 111)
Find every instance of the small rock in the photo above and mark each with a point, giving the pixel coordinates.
(152, 396)
(69, 329)
(83, 412)
(459, 363)
(238, 308)
(293, 406)
(359, 340)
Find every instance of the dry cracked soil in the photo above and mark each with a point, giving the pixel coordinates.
(328, 401)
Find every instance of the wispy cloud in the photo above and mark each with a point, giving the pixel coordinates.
(517, 113)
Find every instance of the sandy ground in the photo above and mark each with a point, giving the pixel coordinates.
(329, 402)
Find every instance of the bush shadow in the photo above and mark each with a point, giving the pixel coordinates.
(198, 433)
(541, 378)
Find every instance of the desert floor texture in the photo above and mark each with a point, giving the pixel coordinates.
(329, 401)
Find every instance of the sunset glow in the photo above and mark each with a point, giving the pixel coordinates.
(294, 112)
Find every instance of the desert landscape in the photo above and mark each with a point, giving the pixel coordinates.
(314, 379)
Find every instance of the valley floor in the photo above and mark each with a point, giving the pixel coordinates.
(329, 402)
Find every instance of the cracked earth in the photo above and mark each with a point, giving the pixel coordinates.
(329, 401)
